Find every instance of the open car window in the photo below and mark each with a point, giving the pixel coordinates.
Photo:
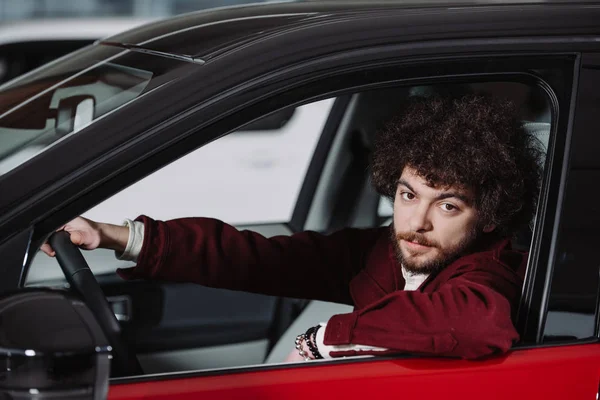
(252, 179)
(249, 178)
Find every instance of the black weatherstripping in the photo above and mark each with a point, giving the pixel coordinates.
(81, 278)
(532, 310)
(572, 297)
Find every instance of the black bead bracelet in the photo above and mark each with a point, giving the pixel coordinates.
(311, 341)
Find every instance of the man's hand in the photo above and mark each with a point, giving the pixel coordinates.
(295, 356)
(90, 235)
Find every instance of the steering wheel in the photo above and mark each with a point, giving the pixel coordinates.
(82, 280)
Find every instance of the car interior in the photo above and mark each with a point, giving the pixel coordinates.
(182, 327)
(21, 57)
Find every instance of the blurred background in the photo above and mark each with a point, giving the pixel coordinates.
(11, 10)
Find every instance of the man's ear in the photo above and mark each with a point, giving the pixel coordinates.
(489, 228)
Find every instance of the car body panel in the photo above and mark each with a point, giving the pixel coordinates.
(352, 26)
(524, 374)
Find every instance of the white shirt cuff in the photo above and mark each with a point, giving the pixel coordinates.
(325, 349)
(134, 242)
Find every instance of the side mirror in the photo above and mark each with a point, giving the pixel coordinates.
(51, 347)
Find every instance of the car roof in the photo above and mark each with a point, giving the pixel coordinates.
(207, 33)
(63, 29)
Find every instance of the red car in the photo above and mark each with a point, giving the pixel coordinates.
(80, 130)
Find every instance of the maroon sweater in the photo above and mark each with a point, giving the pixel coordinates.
(464, 311)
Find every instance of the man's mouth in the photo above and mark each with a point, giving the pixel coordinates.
(415, 245)
(415, 242)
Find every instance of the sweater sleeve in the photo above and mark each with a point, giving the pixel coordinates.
(212, 253)
(469, 316)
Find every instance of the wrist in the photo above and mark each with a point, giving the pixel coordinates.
(300, 346)
(113, 237)
(311, 342)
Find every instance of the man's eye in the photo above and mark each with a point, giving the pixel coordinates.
(448, 207)
(407, 196)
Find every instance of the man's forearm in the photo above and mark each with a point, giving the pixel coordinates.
(212, 253)
(113, 237)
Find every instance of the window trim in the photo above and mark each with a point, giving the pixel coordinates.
(538, 280)
(589, 60)
(554, 181)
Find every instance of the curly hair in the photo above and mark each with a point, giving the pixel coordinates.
(473, 141)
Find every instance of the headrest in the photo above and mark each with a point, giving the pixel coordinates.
(540, 130)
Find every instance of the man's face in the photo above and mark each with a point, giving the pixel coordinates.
(432, 226)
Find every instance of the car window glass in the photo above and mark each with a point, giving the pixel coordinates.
(573, 296)
(69, 107)
(21, 57)
(42, 107)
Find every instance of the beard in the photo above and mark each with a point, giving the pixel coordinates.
(443, 258)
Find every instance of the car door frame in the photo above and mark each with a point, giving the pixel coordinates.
(357, 374)
(130, 163)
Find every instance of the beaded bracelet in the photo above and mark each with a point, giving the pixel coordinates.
(299, 339)
(311, 341)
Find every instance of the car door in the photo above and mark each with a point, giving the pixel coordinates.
(559, 353)
(364, 372)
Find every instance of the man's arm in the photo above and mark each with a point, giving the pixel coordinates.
(212, 253)
(135, 241)
(468, 317)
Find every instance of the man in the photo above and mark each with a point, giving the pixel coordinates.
(441, 280)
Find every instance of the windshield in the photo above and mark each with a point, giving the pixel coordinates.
(63, 98)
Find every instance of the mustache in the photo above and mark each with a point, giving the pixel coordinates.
(416, 238)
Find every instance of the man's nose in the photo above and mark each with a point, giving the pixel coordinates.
(419, 219)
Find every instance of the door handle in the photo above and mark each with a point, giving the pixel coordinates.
(121, 307)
